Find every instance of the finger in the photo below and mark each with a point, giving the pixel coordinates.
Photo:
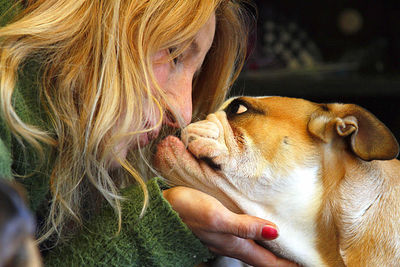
(251, 253)
(249, 227)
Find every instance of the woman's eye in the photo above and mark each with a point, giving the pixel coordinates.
(175, 59)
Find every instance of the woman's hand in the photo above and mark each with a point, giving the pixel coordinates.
(224, 232)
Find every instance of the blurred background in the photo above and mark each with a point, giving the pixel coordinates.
(327, 51)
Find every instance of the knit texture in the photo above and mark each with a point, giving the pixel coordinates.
(8, 9)
(159, 238)
(5, 155)
(6, 15)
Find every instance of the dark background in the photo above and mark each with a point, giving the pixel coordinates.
(360, 66)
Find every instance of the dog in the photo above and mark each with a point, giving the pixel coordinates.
(325, 174)
(17, 227)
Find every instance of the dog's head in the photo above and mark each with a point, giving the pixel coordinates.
(252, 144)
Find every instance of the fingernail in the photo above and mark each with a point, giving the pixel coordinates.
(269, 232)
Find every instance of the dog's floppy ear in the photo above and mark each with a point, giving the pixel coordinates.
(369, 138)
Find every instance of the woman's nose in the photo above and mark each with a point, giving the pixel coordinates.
(182, 104)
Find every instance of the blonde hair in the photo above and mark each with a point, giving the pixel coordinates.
(96, 75)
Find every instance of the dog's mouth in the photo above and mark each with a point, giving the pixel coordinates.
(211, 163)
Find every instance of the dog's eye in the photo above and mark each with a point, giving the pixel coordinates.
(236, 107)
(241, 109)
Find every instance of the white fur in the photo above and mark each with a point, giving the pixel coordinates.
(292, 203)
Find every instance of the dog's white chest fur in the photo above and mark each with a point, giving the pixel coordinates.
(292, 202)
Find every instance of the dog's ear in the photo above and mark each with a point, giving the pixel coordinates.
(368, 137)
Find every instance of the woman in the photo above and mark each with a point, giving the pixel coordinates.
(85, 82)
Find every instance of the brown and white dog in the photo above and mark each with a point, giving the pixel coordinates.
(326, 174)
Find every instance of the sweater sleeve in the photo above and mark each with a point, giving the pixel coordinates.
(5, 157)
(159, 238)
(8, 10)
(6, 13)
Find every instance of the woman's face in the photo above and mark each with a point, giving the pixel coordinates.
(175, 79)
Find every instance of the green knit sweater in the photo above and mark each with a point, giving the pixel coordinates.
(159, 238)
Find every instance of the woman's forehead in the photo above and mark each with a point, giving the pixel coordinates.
(205, 36)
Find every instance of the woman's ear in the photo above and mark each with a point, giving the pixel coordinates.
(368, 137)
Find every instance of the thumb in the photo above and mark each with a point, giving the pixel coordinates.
(249, 227)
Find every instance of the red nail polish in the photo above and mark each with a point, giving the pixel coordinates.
(269, 232)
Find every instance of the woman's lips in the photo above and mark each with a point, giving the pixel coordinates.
(153, 134)
(145, 138)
